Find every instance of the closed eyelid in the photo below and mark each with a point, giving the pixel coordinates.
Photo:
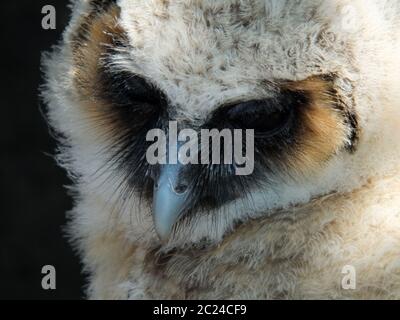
(281, 102)
(128, 87)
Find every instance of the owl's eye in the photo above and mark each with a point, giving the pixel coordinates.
(260, 116)
(126, 89)
(266, 117)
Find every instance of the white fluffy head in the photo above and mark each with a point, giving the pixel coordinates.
(202, 54)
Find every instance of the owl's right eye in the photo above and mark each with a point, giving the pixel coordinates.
(131, 101)
(125, 89)
(131, 106)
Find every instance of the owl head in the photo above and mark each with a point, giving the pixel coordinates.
(316, 81)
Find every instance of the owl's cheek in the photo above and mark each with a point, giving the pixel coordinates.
(325, 127)
(321, 134)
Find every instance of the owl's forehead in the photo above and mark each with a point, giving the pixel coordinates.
(202, 53)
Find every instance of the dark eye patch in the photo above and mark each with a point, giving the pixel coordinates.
(267, 117)
(273, 121)
(123, 88)
(133, 106)
(264, 117)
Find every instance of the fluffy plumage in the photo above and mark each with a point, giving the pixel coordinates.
(328, 196)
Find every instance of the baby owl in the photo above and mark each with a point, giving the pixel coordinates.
(318, 84)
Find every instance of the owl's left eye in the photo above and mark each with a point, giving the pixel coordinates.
(264, 116)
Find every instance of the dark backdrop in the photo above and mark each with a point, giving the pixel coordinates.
(33, 199)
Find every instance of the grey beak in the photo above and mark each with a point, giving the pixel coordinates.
(169, 199)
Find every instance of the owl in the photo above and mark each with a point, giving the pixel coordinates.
(317, 82)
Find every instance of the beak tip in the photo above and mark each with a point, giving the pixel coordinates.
(166, 213)
(162, 231)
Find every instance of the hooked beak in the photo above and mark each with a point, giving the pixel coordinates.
(169, 199)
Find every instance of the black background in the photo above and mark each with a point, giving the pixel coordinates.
(33, 199)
